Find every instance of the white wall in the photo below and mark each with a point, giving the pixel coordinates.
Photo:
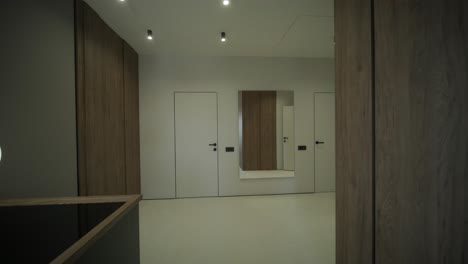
(160, 77)
(37, 99)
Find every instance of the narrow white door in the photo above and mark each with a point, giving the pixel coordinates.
(288, 138)
(196, 139)
(325, 142)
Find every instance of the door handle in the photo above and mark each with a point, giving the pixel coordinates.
(213, 145)
(319, 142)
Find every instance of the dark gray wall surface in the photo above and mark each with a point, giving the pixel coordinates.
(37, 99)
(120, 245)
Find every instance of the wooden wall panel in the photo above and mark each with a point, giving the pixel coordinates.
(132, 123)
(268, 130)
(104, 106)
(80, 102)
(259, 130)
(250, 130)
(354, 132)
(107, 108)
(421, 130)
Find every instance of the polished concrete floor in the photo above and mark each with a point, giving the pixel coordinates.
(286, 229)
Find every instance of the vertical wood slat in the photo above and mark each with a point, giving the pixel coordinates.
(421, 131)
(132, 123)
(107, 108)
(354, 132)
(250, 130)
(268, 130)
(105, 142)
(80, 103)
(259, 130)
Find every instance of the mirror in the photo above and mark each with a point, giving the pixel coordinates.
(266, 134)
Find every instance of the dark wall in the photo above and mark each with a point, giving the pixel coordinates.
(37, 99)
(120, 245)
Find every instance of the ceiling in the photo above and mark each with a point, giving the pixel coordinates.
(265, 28)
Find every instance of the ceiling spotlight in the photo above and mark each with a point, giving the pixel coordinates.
(223, 36)
(226, 2)
(150, 34)
(121, 0)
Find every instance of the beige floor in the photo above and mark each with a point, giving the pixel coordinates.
(286, 229)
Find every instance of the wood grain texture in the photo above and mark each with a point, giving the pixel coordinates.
(107, 108)
(354, 132)
(250, 130)
(103, 92)
(132, 120)
(80, 96)
(240, 117)
(268, 130)
(67, 200)
(258, 130)
(421, 131)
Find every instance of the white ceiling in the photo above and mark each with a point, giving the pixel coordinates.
(266, 28)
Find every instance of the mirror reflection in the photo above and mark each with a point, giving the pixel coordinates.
(266, 134)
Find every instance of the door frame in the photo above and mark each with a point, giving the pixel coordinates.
(175, 139)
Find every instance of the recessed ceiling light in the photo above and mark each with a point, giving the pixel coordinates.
(150, 35)
(223, 36)
(226, 2)
(121, 0)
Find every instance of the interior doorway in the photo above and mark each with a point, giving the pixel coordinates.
(196, 144)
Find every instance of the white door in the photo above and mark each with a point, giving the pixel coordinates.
(325, 142)
(288, 138)
(196, 139)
